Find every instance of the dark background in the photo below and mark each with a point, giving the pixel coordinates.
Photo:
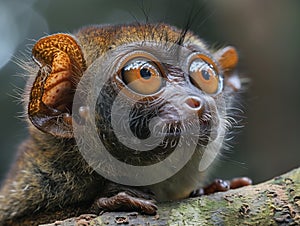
(266, 33)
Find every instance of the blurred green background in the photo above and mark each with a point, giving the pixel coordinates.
(266, 33)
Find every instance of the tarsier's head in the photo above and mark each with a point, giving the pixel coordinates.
(141, 92)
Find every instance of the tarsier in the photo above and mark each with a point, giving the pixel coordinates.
(51, 180)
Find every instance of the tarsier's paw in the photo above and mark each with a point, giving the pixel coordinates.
(222, 185)
(125, 202)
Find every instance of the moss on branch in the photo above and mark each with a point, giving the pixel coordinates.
(275, 202)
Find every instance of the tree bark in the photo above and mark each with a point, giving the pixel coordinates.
(275, 202)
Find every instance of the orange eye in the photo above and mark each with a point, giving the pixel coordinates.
(204, 77)
(142, 76)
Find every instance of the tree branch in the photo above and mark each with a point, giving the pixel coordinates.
(274, 202)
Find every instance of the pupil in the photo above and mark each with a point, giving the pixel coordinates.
(205, 74)
(145, 73)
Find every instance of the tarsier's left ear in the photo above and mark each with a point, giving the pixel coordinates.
(61, 64)
(228, 60)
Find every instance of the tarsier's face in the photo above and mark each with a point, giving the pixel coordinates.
(168, 91)
(145, 91)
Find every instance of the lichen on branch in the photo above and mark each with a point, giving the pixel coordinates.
(275, 202)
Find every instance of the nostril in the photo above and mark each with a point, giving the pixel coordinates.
(193, 103)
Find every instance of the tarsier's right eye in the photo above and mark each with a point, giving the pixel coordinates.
(142, 75)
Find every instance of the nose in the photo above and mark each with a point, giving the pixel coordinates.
(193, 103)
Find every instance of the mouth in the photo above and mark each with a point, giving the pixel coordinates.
(174, 131)
(197, 129)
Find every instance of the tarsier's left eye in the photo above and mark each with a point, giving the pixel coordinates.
(204, 76)
(142, 76)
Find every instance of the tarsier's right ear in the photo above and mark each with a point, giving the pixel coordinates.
(61, 64)
(228, 60)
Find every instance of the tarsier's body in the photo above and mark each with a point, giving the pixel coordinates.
(50, 179)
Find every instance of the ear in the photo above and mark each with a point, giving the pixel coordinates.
(61, 64)
(228, 60)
